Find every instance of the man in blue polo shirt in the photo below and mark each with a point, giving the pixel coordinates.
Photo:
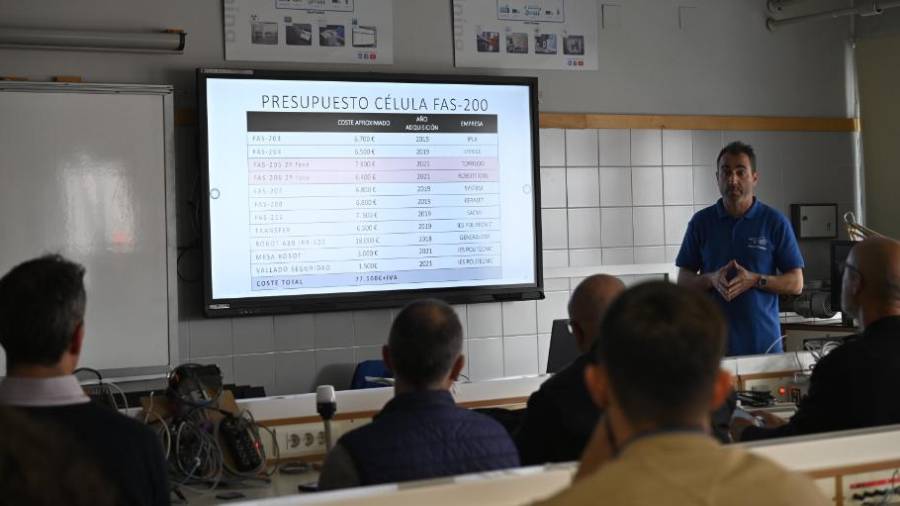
(744, 253)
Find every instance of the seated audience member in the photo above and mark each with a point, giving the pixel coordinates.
(561, 415)
(420, 433)
(42, 304)
(656, 375)
(854, 385)
(41, 467)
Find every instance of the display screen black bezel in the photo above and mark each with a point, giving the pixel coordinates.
(371, 299)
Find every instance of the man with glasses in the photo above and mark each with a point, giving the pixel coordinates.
(855, 385)
(744, 253)
(656, 373)
(561, 416)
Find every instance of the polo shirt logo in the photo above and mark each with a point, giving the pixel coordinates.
(759, 243)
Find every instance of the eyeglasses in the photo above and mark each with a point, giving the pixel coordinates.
(847, 265)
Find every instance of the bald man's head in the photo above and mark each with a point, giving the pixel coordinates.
(871, 282)
(588, 304)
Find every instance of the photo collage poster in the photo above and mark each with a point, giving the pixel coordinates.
(320, 31)
(525, 34)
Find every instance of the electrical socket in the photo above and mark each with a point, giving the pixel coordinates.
(308, 439)
(302, 440)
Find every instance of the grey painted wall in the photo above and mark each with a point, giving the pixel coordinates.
(722, 62)
(879, 71)
(887, 23)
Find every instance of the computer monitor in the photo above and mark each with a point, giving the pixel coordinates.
(839, 252)
(563, 348)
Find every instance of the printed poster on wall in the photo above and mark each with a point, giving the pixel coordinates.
(323, 31)
(525, 34)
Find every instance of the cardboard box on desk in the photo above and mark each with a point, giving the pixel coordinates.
(156, 412)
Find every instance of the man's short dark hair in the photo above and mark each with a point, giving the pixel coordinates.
(426, 337)
(738, 148)
(42, 302)
(662, 345)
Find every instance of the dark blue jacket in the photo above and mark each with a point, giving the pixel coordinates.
(420, 435)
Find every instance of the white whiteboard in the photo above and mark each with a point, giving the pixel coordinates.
(87, 171)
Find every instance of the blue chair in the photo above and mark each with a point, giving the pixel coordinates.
(370, 368)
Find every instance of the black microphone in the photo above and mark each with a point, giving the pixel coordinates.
(326, 406)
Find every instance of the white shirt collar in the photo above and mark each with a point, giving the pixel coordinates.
(42, 392)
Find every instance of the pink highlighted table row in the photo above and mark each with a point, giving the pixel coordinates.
(376, 164)
(362, 177)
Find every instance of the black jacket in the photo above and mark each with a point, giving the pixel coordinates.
(127, 451)
(560, 418)
(853, 387)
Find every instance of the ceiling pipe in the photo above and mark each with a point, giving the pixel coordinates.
(874, 9)
(168, 41)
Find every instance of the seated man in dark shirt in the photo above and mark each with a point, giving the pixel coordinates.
(41, 466)
(420, 433)
(656, 371)
(42, 304)
(561, 415)
(855, 385)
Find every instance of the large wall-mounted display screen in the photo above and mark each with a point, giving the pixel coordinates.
(327, 191)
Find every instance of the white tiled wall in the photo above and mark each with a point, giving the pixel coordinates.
(615, 187)
(652, 181)
(608, 197)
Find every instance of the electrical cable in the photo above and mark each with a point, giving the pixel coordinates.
(189, 451)
(195, 450)
(90, 370)
(182, 250)
(819, 351)
(891, 487)
(755, 398)
(102, 388)
(294, 467)
(195, 208)
(207, 459)
(168, 434)
(121, 393)
(149, 411)
(150, 407)
(776, 341)
(276, 449)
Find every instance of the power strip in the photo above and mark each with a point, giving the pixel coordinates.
(241, 443)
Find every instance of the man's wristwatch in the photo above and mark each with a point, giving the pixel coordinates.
(762, 282)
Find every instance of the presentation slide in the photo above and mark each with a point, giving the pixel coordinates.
(327, 187)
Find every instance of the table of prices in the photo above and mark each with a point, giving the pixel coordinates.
(344, 199)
